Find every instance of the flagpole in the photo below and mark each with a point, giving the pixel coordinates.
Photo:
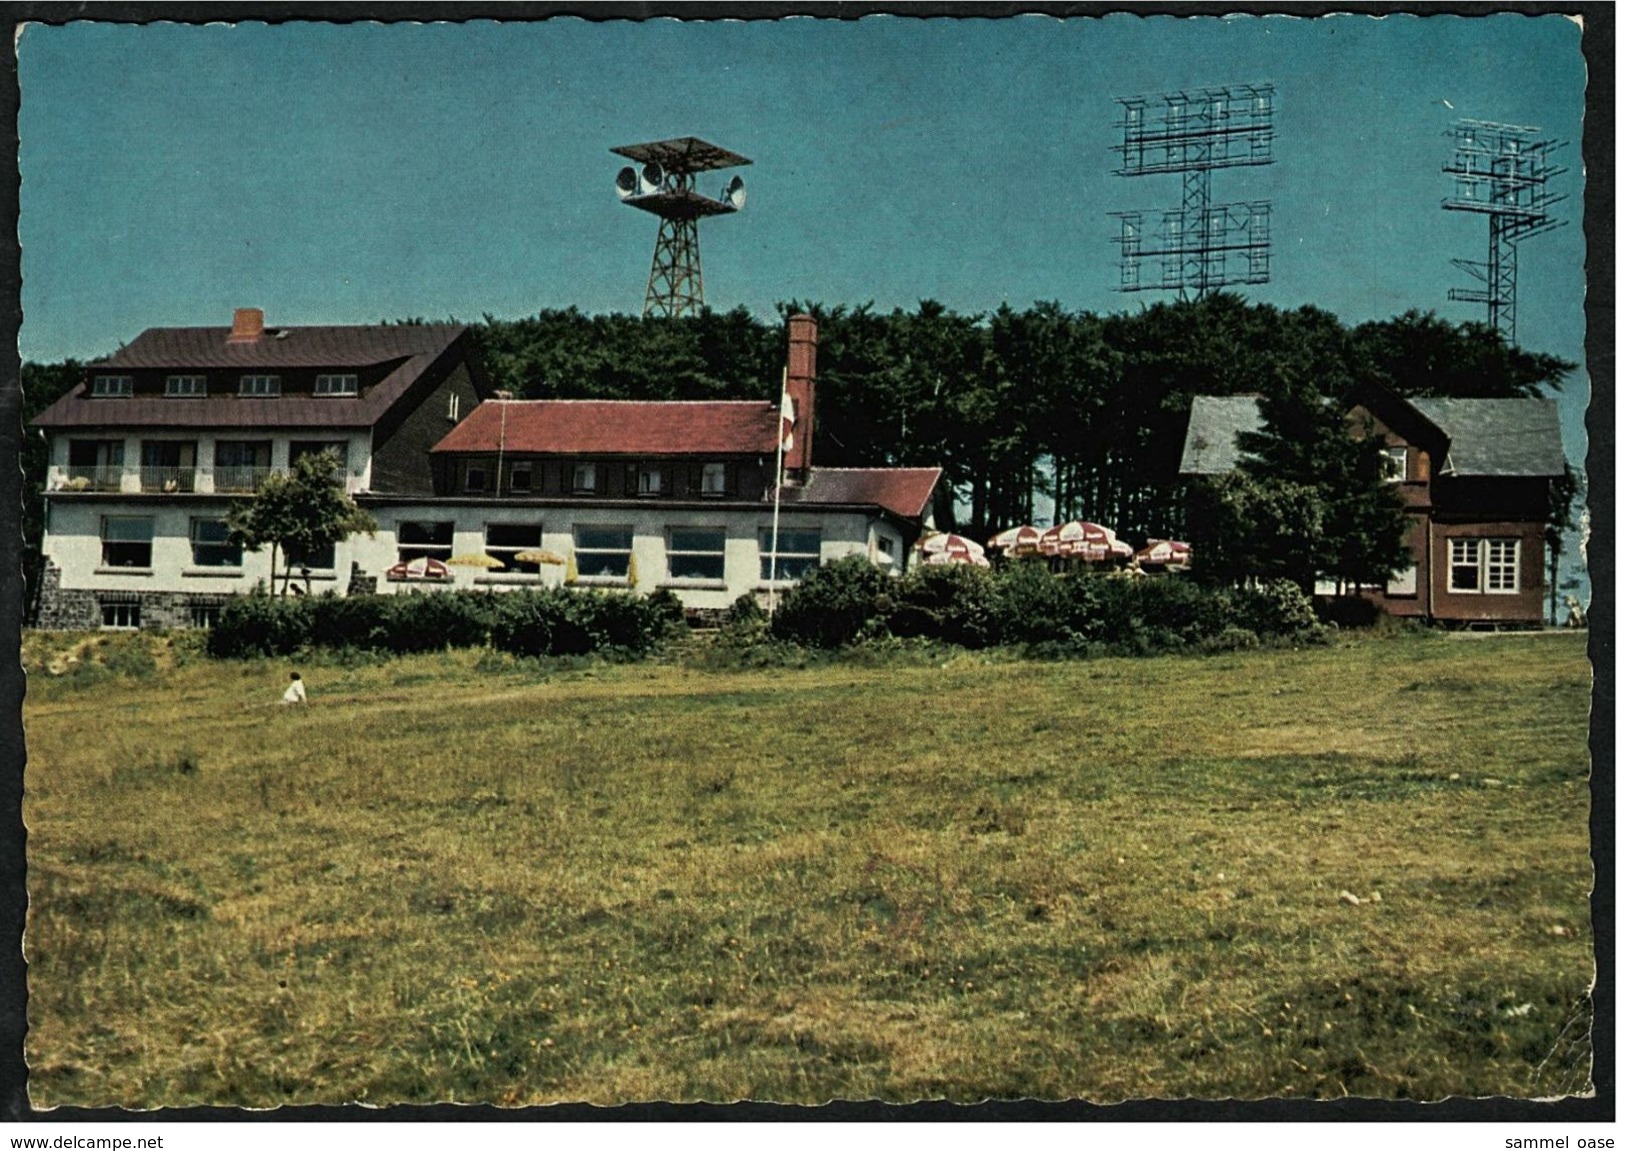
(778, 485)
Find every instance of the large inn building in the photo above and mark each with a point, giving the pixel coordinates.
(148, 453)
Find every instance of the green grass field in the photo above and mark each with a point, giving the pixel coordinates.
(459, 878)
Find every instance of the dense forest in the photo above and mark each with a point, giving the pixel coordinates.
(1017, 407)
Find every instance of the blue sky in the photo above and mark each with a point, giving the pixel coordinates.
(349, 173)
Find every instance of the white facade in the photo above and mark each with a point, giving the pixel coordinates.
(205, 448)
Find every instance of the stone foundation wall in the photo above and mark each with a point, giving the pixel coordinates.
(72, 609)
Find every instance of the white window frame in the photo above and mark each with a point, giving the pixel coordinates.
(220, 545)
(584, 478)
(184, 386)
(112, 387)
(719, 553)
(454, 407)
(506, 552)
(131, 611)
(714, 479)
(421, 550)
(584, 555)
(107, 539)
(802, 559)
(259, 385)
(521, 468)
(1495, 571)
(1395, 464)
(650, 480)
(338, 384)
(205, 615)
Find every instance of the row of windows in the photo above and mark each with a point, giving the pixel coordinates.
(333, 384)
(691, 552)
(183, 453)
(588, 477)
(126, 616)
(1488, 566)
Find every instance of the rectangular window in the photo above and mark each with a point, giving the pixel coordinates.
(205, 615)
(1501, 566)
(519, 476)
(696, 553)
(714, 480)
(112, 386)
(241, 465)
(337, 385)
(95, 465)
(503, 542)
(186, 386)
(584, 479)
(211, 548)
(127, 541)
(317, 559)
(123, 616)
(1393, 465)
(168, 465)
(419, 539)
(260, 386)
(603, 551)
(474, 478)
(1464, 565)
(649, 480)
(1404, 582)
(454, 407)
(798, 552)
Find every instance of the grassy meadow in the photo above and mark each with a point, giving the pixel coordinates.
(1359, 869)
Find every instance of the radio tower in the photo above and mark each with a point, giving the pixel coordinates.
(1501, 172)
(664, 185)
(1193, 133)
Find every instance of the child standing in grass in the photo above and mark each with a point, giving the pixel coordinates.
(296, 689)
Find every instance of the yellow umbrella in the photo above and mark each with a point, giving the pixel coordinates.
(538, 557)
(477, 560)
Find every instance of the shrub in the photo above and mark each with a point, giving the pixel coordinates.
(1278, 608)
(1031, 606)
(836, 604)
(948, 602)
(259, 624)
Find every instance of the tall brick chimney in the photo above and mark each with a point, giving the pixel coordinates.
(801, 383)
(247, 325)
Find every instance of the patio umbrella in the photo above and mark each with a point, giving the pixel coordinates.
(477, 560)
(422, 568)
(536, 556)
(946, 543)
(936, 559)
(1021, 541)
(1165, 553)
(1078, 538)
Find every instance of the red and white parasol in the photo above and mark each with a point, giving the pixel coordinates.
(420, 569)
(1021, 541)
(1165, 553)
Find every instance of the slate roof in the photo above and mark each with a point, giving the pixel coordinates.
(618, 428)
(405, 350)
(1497, 437)
(905, 492)
(1484, 437)
(1210, 439)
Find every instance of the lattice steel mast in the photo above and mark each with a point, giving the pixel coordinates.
(1501, 171)
(664, 186)
(1193, 133)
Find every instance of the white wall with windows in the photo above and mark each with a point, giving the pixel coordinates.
(168, 461)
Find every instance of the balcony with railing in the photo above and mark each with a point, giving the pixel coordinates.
(90, 478)
(241, 479)
(168, 479)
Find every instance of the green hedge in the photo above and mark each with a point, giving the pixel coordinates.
(1025, 605)
(545, 621)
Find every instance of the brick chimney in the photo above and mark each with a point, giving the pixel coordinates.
(801, 383)
(247, 326)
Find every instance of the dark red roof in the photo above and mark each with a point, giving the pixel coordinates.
(617, 427)
(412, 348)
(903, 491)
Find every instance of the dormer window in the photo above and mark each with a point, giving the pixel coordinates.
(112, 386)
(338, 385)
(1394, 465)
(714, 479)
(186, 386)
(649, 480)
(585, 479)
(260, 386)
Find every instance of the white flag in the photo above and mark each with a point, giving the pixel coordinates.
(787, 422)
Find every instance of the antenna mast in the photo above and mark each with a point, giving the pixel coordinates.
(1193, 133)
(1501, 172)
(664, 186)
